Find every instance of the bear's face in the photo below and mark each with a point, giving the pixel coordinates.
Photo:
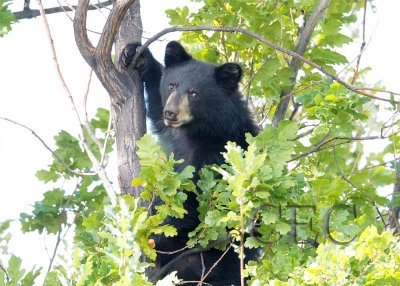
(193, 91)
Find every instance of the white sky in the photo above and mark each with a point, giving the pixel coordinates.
(31, 93)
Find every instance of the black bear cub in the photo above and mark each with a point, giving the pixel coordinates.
(195, 109)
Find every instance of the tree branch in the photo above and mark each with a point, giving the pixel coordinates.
(99, 169)
(28, 13)
(5, 272)
(344, 177)
(169, 266)
(357, 90)
(111, 27)
(81, 38)
(356, 71)
(327, 140)
(58, 158)
(305, 37)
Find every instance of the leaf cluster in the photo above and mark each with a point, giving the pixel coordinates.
(6, 17)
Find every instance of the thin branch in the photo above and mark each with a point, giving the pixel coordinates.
(377, 165)
(99, 169)
(215, 264)
(203, 268)
(357, 90)
(170, 265)
(5, 272)
(104, 156)
(58, 158)
(344, 177)
(101, 172)
(87, 123)
(378, 90)
(28, 13)
(72, 19)
(253, 73)
(327, 140)
(356, 71)
(55, 248)
(173, 251)
(51, 43)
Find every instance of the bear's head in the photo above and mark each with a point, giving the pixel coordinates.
(196, 93)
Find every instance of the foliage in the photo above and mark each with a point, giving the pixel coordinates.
(87, 194)
(6, 17)
(372, 260)
(305, 183)
(11, 272)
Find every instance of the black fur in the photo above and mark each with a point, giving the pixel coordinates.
(219, 115)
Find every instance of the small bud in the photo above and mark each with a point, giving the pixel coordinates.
(151, 243)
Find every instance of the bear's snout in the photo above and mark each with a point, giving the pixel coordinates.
(170, 115)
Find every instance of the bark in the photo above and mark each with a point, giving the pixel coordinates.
(295, 62)
(124, 88)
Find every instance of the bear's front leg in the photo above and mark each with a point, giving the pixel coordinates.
(150, 71)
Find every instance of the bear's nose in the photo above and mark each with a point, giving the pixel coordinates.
(169, 115)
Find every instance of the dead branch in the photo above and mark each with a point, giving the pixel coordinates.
(99, 169)
(28, 13)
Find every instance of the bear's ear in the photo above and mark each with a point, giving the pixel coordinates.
(175, 54)
(229, 74)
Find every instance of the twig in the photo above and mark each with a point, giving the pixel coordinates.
(169, 266)
(378, 90)
(87, 123)
(58, 158)
(203, 268)
(254, 73)
(376, 165)
(73, 9)
(355, 75)
(319, 145)
(215, 264)
(5, 272)
(174, 251)
(344, 177)
(55, 248)
(103, 152)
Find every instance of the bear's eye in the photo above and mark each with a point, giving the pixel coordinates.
(171, 86)
(193, 94)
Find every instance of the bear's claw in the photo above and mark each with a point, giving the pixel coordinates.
(128, 53)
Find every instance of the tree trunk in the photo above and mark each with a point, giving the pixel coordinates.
(124, 87)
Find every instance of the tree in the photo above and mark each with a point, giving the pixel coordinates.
(311, 167)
